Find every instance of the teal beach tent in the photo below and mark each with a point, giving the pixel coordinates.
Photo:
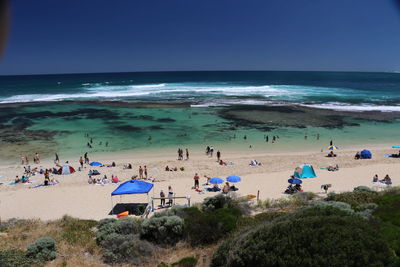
(305, 171)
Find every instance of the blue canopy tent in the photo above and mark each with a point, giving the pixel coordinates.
(132, 187)
(96, 163)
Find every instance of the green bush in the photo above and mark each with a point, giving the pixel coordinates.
(122, 248)
(14, 257)
(354, 198)
(220, 201)
(314, 236)
(185, 262)
(204, 228)
(176, 210)
(125, 226)
(163, 230)
(336, 205)
(389, 212)
(362, 189)
(43, 249)
(77, 231)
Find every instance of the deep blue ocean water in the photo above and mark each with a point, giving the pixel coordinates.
(338, 90)
(46, 123)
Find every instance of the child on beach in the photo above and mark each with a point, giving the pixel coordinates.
(196, 181)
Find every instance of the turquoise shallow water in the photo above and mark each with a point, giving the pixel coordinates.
(129, 129)
(49, 124)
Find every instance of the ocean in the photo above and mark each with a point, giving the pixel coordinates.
(145, 111)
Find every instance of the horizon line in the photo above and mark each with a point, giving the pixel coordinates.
(160, 71)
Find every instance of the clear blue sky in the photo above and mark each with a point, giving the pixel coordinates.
(70, 36)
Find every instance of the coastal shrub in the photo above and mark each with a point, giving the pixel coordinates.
(126, 248)
(220, 201)
(43, 249)
(354, 198)
(302, 198)
(362, 189)
(335, 205)
(163, 230)
(185, 262)
(203, 228)
(388, 212)
(125, 226)
(176, 210)
(16, 257)
(314, 236)
(78, 232)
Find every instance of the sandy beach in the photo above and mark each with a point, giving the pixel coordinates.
(75, 197)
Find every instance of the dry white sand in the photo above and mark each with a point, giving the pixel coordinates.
(75, 197)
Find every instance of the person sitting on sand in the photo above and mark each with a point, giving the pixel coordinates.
(167, 168)
(46, 180)
(24, 179)
(208, 179)
(357, 155)
(222, 163)
(225, 189)
(387, 180)
(375, 178)
(331, 155)
(175, 169)
(215, 188)
(114, 179)
(90, 180)
(104, 180)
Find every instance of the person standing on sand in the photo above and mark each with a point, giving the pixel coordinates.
(145, 171)
(218, 155)
(196, 181)
(22, 160)
(170, 195)
(211, 151)
(81, 161)
(187, 154)
(57, 159)
(162, 196)
(140, 172)
(26, 160)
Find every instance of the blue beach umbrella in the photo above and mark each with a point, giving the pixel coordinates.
(96, 163)
(295, 181)
(396, 146)
(216, 180)
(233, 179)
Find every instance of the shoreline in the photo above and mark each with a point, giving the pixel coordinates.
(75, 197)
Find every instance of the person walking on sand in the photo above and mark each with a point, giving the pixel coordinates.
(211, 151)
(218, 155)
(57, 159)
(140, 172)
(81, 161)
(187, 154)
(145, 171)
(196, 181)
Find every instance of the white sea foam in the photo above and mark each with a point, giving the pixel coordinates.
(347, 107)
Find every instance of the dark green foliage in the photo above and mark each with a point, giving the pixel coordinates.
(121, 243)
(122, 248)
(163, 230)
(77, 231)
(354, 198)
(207, 227)
(174, 210)
(185, 262)
(14, 257)
(389, 212)
(124, 226)
(43, 249)
(220, 201)
(314, 236)
(362, 189)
